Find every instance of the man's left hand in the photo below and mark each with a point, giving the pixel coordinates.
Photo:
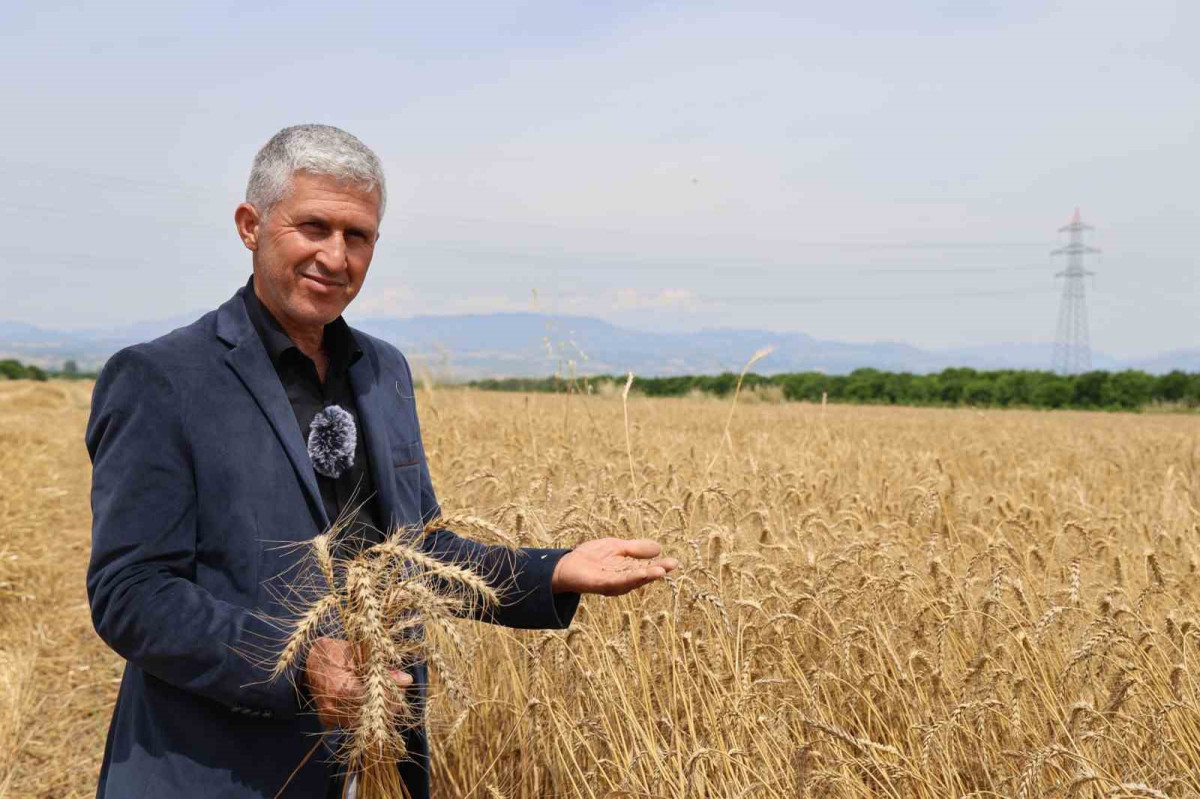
(610, 566)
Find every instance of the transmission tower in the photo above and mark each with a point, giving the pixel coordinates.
(1072, 349)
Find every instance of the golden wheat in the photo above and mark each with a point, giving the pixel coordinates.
(376, 598)
(872, 601)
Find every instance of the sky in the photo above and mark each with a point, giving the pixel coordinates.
(857, 171)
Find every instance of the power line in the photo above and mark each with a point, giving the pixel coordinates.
(810, 299)
(946, 270)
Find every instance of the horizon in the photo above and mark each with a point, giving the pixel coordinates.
(357, 320)
(530, 344)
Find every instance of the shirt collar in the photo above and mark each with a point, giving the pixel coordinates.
(339, 341)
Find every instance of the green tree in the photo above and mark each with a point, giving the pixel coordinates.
(1129, 390)
(1192, 395)
(900, 388)
(805, 386)
(1055, 392)
(12, 369)
(1013, 388)
(865, 385)
(721, 385)
(952, 384)
(1090, 390)
(979, 392)
(1171, 387)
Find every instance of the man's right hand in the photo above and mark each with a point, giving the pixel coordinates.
(331, 682)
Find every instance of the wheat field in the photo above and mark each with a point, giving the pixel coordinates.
(872, 601)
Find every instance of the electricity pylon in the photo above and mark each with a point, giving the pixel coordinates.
(1072, 348)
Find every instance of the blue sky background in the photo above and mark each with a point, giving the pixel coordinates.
(857, 171)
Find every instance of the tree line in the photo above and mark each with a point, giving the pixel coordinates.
(12, 369)
(1127, 390)
(1006, 388)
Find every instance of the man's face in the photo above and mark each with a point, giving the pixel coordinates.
(312, 252)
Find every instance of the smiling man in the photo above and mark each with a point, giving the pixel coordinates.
(207, 455)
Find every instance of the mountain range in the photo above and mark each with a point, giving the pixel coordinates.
(472, 346)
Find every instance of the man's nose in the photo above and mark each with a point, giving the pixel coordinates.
(332, 255)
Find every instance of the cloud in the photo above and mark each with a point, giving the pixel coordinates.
(389, 301)
(404, 301)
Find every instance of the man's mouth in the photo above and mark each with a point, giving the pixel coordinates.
(323, 282)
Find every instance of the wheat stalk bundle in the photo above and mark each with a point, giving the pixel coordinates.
(378, 599)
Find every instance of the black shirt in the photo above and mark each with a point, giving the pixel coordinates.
(308, 396)
(352, 488)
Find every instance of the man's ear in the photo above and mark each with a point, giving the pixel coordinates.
(249, 225)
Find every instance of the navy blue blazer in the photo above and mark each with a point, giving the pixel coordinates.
(199, 474)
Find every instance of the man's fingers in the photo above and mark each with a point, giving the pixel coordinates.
(641, 548)
(337, 703)
(655, 571)
(404, 680)
(668, 565)
(626, 581)
(336, 690)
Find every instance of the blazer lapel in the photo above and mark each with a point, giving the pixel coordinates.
(248, 359)
(373, 408)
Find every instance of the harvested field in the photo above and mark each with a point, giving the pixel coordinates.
(57, 679)
(872, 602)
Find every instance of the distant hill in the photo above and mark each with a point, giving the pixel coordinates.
(1183, 360)
(472, 346)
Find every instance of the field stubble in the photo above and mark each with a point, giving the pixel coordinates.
(872, 601)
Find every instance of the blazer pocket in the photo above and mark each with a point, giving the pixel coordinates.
(406, 462)
(407, 454)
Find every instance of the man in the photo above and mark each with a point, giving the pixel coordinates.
(201, 472)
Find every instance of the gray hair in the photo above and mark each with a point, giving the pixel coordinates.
(318, 150)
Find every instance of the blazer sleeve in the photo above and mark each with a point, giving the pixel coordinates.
(521, 577)
(141, 585)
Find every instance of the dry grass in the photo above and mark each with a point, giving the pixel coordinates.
(57, 680)
(873, 601)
